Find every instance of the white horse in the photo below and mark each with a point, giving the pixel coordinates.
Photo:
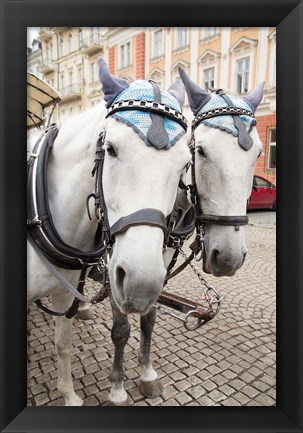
(224, 163)
(227, 146)
(144, 156)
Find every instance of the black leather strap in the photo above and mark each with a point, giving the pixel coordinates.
(149, 217)
(244, 138)
(156, 134)
(40, 226)
(223, 220)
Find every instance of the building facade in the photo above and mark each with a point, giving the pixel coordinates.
(34, 58)
(235, 59)
(69, 64)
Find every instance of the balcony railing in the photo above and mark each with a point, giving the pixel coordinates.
(45, 33)
(47, 66)
(73, 91)
(92, 44)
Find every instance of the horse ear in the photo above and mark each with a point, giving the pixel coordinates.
(197, 97)
(112, 85)
(255, 97)
(177, 90)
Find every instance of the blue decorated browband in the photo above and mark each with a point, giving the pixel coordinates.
(138, 107)
(218, 114)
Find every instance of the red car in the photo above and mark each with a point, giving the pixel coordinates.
(263, 195)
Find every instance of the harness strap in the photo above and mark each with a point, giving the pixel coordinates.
(151, 217)
(195, 246)
(40, 226)
(73, 309)
(56, 274)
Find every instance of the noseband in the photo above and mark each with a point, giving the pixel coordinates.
(148, 216)
(244, 140)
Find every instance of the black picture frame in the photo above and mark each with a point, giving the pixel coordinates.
(16, 16)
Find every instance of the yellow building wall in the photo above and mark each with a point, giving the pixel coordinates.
(236, 35)
(269, 50)
(248, 32)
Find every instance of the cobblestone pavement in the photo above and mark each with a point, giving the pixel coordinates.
(229, 362)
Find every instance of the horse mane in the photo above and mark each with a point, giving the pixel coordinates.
(81, 122)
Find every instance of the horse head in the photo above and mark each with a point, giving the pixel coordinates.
(145, 152)
(227, 146)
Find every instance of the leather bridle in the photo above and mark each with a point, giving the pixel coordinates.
(244, 140)
(41, 231)
(147, 216)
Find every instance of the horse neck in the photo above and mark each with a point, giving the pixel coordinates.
(69, 177)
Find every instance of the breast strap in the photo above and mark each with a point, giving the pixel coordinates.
(40, 227)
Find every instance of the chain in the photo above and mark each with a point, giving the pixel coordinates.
(105, 285)
(216, 298)
(212, 297)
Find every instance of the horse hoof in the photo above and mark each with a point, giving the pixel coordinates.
(151, 389)
(118, 403)
(74, 401)
(118, 397)
(84, 314)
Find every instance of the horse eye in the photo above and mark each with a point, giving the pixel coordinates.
(200, 151)
(111, 151)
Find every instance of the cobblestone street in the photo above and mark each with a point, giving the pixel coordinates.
(229, 362)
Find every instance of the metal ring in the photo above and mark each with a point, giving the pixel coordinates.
(196, 326)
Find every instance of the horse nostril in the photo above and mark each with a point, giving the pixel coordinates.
(214, 256)
(244, 257)
(120, 275)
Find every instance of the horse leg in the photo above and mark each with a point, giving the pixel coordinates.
(84, 313)
(63, 342)
(150, 385)
(120, 333)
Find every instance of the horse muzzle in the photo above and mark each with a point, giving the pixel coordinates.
(223, 264)
(136, 292)
(136, 269)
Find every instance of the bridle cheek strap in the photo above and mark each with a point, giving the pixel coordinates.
(149, 217)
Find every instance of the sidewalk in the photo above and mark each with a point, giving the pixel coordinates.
(231, 361)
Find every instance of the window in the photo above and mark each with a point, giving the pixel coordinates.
(70, 77)
(210, 32)
(259, 181)
(70, 43)
(125, 55)
(208, 78)
(181, 37)
(61, 47)
(242, 75)
(158, 43)
(158, 80)
(92, 72)
(272, 149)
(80, 75)
(62, 81)
(80, 38)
